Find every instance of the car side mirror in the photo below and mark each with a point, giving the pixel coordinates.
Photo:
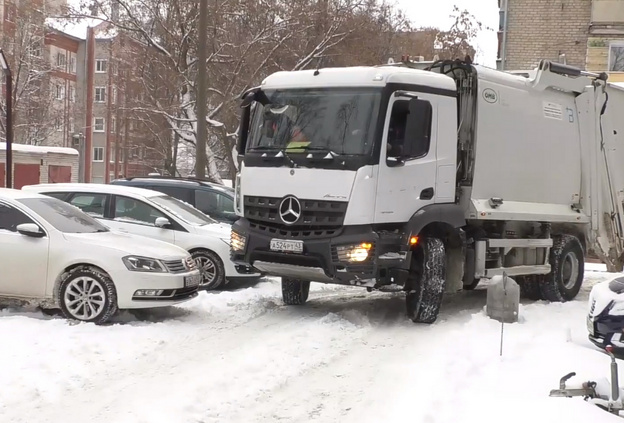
(30, 229)
(162, 222)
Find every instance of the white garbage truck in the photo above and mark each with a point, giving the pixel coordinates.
(428, 180)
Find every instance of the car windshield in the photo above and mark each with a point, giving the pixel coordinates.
(182, 210)
(63, 216)
(341, 121)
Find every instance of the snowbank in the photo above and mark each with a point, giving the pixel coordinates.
(347, 356)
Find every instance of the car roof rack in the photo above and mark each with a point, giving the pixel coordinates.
(179, 178)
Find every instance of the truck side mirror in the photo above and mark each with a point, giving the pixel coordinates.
(418, 129)
(241, 143)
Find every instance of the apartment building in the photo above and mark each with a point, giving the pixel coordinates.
(62, 53)
(584, 33)
(108, 121)
(605, 46)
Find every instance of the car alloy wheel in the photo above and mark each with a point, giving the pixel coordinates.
(88, 294)
(211, 267)
(84, 298)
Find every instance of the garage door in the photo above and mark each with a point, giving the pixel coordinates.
(26, 174)
(2, 175)
(59, 174)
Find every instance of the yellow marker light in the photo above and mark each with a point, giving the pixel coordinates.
(414, 240)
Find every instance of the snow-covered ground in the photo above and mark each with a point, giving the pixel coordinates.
(347, 356)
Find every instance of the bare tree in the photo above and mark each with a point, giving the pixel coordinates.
(247, 40)
(35, 118)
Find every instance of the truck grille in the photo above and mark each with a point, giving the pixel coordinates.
(285, 232)
(316, 214)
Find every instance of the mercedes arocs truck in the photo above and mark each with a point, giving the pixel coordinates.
(429, 180)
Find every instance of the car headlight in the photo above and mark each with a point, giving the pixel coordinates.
(144, 264)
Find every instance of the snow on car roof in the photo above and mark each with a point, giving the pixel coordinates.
(25, 148)
(89, 187)
(16, 194)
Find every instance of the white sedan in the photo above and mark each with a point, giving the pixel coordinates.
(156, 215)
(53, 254)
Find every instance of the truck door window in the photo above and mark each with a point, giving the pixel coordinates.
(409, 133)
(396, 131)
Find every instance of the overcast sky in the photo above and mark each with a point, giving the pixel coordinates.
(436, 13)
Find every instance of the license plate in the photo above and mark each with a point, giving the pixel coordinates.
(287, 246)
(590, 326)
(190, 281)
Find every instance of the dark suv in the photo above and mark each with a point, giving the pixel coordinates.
(217, 201)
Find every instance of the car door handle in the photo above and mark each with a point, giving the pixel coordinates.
(426, 194)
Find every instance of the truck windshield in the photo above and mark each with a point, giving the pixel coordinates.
(341, 121)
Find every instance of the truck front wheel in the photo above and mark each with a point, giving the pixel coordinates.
(295, 291)
(567, 263)
(425, 284)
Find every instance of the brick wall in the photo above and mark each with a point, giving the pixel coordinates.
(544, 29)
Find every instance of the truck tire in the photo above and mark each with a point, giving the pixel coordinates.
(530, 286)
(295, 291)
(426, 281)
(567, 261)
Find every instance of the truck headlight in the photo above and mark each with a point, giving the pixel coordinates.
(354, 253)
(144, 264)
(237, 241)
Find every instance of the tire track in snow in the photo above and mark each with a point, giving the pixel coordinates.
(183, 371)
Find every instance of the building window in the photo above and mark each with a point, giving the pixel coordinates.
(72, 94)
(99, 124)
(71, 125)
(616, 57)
(114, 99)
(113, 125)
(72, 64)
(100, 94)
(121, 155)
(61, 60)
(100, 66)
(98, 154)
(60, 92)
(112, 154)
(58, 124)
(34, 49)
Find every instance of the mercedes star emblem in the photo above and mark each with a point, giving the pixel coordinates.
(290, 210)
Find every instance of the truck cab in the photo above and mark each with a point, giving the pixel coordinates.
(403, 179)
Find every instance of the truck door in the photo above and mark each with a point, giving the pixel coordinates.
(407, 167)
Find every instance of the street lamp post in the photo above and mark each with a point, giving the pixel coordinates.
(9, 119)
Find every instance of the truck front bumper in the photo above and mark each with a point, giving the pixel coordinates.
(323, 259)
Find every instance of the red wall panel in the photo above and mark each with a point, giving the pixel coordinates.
(59, 174)
(26, 174)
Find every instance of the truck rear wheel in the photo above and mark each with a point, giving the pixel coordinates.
(568, 265)
(426, 281)
(295, 291)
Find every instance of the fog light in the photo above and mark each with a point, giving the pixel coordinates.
(354, 253)
(148, 292)
(237, 242)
